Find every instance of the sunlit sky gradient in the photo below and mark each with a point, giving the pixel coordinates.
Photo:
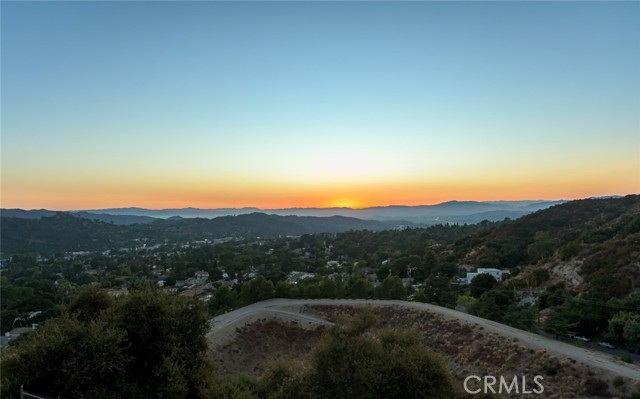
(281, 104)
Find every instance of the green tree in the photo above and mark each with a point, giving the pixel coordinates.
(557, 324)
(7, 317)
(466, 302)
(359, 286)
(282, 289)
(491, 305)
(88, 303)
(438, 290)
(542, 246)
(256, 290)
(624, 327)
(294, 291)
(147, 344)
(631, 332)
(224, 299)
(331, 288)
(391, 288)
(481, 284)
(166, 334)
(66, 358)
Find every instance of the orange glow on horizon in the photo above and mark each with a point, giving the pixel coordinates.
(358, 198)
(160, 191)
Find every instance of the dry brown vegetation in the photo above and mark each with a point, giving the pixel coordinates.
(473, 351)
(262, 342)
(469, 349)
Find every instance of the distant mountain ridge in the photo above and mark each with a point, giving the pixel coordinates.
(85, 231)
(446, 212)
(103, 217)
(452, 211)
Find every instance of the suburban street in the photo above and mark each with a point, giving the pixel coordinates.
(286, 308)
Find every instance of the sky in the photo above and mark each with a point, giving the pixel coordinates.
(316, 104)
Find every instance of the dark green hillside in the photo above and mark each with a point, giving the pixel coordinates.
(64, 232)
(115, 219)
(251, 225)
(568, 229)
(579, 262)
(61, 232)
(21, 213)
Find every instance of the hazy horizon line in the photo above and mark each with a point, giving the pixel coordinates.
(319, 207)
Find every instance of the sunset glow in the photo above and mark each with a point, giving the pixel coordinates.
(317, 104)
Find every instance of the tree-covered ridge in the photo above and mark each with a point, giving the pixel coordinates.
(560, 227)
(66, 232)
(602, 237)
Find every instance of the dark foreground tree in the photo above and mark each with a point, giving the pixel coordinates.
(147, 344)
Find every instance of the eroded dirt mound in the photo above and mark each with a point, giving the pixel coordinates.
(259, 343)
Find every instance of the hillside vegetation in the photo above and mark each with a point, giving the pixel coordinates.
(68, 232)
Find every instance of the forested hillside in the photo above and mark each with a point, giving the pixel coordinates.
(66, 232)
(602, 236)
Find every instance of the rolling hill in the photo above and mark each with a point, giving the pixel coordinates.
(446, 212)
(70, 232)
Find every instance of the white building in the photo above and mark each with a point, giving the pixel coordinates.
(333, 263)
(496, 273)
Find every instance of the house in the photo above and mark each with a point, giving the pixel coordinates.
(295, 277)
(14, 334)
(333, 263)
(198, 290)
(496, 273)
(249, 275)
(202, 275)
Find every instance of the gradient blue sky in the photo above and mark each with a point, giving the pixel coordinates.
(278, 104)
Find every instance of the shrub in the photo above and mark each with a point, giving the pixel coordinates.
(596, 387)
(626, 359)
(618, 381)
(350, 362)
(550, 368)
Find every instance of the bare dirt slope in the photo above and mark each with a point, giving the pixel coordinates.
(264, 341)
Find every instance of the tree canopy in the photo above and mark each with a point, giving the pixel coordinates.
(147, 344)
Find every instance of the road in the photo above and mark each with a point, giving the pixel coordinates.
(220, 325)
